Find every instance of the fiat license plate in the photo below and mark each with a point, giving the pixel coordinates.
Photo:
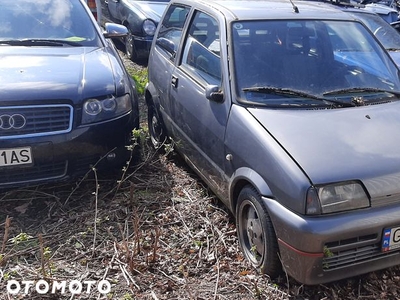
(391, 239)
(15, 156)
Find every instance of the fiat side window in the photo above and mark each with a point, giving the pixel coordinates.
(202, 49)
(170, 32)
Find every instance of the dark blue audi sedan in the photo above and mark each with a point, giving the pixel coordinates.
(141, 17)
(66, 100)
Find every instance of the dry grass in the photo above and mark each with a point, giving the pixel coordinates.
(160, 236)
(156, 233)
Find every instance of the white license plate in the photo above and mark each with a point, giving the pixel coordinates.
(391, 239)
(15, 156)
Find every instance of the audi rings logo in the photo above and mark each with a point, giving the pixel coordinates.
(15, 121)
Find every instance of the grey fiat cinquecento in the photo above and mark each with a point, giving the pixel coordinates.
(290, 112)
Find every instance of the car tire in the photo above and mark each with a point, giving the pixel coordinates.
(256, 233)
(130, 47)
(156, 127)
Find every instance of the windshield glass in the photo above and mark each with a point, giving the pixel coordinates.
(56, 20)
(311, 57)
(386, 34)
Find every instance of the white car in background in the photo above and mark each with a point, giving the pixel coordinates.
(387, 10)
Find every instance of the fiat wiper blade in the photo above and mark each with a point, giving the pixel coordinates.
(280, 91)
(290, 92)
(38, 42)
(360, 90)
(393, 49)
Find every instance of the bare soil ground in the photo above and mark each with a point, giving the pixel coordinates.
(153, 231)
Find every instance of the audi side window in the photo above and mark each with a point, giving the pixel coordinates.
(202, 49)
(170, 33)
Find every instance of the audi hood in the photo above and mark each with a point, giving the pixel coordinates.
(150, 9)
(333, 145)
(68, 73)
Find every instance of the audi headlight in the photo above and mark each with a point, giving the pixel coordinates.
(97, 110)
(336, 197)
(149, 27)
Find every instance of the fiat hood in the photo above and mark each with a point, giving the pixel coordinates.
(68, 73)
(331, 145)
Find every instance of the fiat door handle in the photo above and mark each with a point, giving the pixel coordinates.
(174, 81)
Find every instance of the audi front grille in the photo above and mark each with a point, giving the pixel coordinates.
(34, 120)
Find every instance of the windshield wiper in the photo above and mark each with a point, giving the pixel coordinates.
(38, 42)
(360, 90)
(290, 92)
(360, 100)
(393, 49)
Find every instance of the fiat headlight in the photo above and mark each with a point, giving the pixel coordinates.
(336, 197)
(97, 110)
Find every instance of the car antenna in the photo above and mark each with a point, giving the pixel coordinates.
(295, 8)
